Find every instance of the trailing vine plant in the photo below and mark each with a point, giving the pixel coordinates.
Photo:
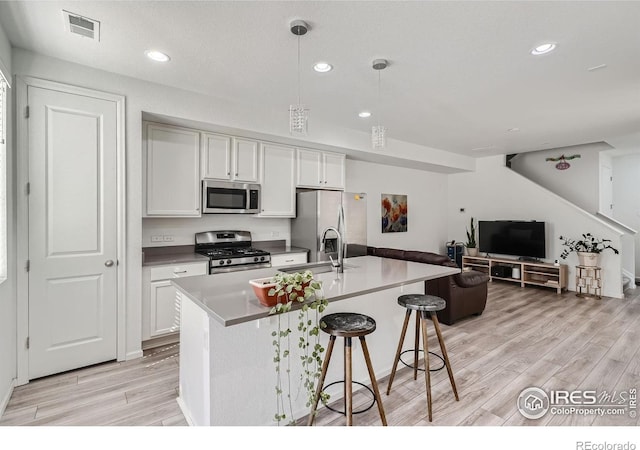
(301, 288)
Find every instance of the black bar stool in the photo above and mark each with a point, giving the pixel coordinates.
(347, 325)
(425, 307)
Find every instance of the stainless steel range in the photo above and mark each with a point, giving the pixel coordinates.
(230, 251)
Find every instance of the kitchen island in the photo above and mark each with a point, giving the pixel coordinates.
(227, 374)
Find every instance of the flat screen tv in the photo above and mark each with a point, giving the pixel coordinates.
(512, 237)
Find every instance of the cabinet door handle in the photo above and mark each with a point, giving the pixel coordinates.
(289, 260)
(182, 271)
(325, 182)
(228, 173)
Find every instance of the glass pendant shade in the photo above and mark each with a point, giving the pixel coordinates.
(298, 119)
(378, 136)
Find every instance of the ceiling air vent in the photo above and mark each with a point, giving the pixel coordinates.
(82, 26)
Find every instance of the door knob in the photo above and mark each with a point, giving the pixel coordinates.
(108, 263)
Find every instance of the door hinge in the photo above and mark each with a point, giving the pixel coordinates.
(28, 342)
(26, 112)
(28, 265)
(28, 188)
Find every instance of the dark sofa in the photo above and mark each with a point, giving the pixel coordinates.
(465, 293)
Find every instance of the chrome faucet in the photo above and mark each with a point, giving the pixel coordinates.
(339, 266)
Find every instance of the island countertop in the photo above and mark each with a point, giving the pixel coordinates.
(229, 299)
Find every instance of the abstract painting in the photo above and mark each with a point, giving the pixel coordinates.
(394, 213)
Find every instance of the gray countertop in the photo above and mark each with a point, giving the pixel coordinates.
(278, 247)
(181, 254)
(229, 299)
(178, 254)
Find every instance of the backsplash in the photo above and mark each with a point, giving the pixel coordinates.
(174, 231)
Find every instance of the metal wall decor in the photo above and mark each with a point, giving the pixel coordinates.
(562, 161)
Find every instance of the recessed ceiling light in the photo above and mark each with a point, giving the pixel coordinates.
(543, 48)
(157, 56)
(322, 67)
(512, 130)
(364, 114)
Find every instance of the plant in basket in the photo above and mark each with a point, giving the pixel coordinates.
(287, 289)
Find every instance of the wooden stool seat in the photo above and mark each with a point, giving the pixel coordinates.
(425, 307)
(347, 325)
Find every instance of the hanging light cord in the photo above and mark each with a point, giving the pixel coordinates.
(379, 110)
(298, 69)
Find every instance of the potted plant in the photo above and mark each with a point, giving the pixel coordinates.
(588, 248)
(302, 288)
(472, 250)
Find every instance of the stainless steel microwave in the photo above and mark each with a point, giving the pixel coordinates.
(227, 197)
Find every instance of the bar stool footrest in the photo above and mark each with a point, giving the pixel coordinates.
(421, 369)
(344, 413)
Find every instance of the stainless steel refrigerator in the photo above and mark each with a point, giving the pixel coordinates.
(318, 210)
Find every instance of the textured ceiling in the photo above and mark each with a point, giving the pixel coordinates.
(460, 73)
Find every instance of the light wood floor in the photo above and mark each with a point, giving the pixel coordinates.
(525, 337)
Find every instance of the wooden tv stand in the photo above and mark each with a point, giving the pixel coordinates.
(531, 273)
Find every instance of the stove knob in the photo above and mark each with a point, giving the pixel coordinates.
(262, 258)
(221, 262)
(255, 259)
(228, 261)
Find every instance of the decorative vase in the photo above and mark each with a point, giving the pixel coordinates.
(588, 259)
(472, 251)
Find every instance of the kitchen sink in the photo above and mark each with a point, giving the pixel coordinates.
(315, 267)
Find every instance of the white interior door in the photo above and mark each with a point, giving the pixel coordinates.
(72, 231)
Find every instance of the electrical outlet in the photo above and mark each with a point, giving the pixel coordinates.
(156, 238)
(167, 238)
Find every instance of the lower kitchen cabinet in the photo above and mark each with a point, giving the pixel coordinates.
(288, 259)
(160, 302)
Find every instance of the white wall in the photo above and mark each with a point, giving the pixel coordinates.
(8, 287)
(183, 230)
(626, 196)
(495, 192)
(579, 183)
(426, 202)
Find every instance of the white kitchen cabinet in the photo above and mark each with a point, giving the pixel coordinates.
(172, 171)
(160, 302)
(216, 156)
(288, 259)
(229, 158)
(317, 169)
(277, 180)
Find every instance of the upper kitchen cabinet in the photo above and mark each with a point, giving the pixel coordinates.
(323, 170)
(277, 179)
(171, 171)
(228, 158)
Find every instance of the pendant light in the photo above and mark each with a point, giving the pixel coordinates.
(379, 132)
(298, 115)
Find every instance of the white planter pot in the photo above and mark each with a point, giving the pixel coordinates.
(472, 251)
(589, 259)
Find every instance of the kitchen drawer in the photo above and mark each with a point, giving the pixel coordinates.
(288, 259)
(179, 271)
